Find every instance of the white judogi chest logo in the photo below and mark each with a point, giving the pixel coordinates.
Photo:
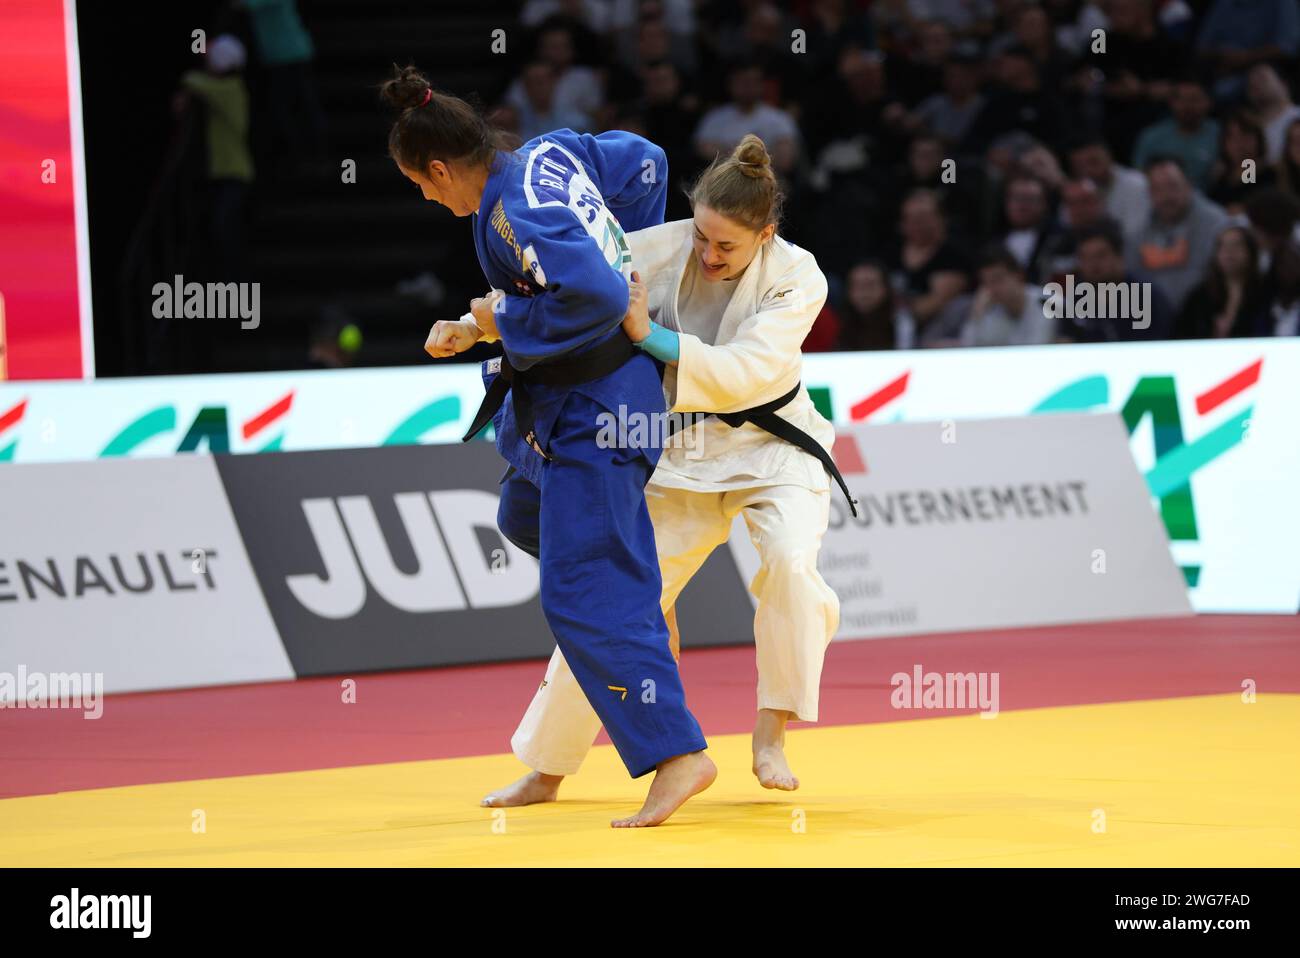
(555, 177)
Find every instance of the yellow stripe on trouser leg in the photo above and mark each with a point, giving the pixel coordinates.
(559, 726)
(797, 615)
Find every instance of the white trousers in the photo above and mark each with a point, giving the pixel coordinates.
(796, 617)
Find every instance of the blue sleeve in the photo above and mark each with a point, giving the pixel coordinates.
(581, 294)
(551, 230)
(662, 343)
(630, 172)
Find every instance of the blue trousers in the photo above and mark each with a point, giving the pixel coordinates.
(587, 523)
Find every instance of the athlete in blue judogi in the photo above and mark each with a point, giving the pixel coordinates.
(547, 228)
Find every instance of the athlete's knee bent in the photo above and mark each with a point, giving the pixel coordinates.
(788, 558)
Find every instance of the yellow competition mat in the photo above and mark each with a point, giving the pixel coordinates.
(1208, 781)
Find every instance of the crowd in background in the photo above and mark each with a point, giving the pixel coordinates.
(291, 120)
(252, 107)
(947, 160)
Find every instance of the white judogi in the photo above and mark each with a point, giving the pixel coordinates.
(782, 492)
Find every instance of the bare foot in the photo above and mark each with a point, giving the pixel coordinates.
(676, 780)
(772, 770)
(770, 767)
(533, 788)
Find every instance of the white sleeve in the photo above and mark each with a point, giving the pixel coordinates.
(764, 359)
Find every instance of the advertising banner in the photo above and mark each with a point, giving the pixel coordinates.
(45, 328)
(991, 524)
(133, 570)
(166, 572)
(390, 558)
(1212, 427)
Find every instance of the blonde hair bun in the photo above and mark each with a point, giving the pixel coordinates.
(741, 186)
(752, 157)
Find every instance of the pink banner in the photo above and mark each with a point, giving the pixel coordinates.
(42, 275)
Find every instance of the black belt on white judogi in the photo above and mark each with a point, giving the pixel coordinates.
(602, 360)
(765, 418)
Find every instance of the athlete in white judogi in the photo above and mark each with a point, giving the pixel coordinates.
(732, 304)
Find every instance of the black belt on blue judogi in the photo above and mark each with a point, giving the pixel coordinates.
(602, 360)
(568, 370)
(765, 418)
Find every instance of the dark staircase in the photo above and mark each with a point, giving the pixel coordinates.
(320, 246)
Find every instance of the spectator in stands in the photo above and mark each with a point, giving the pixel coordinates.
(856, 109)
(1237, 34)
(670, 114)
(652, 40)
(678, 14)
(1275, 223)
(539, 112)
(1175, 247)
(1031, 28)
(763, 38)
(1241, 167)
(1018, 101)
(921, 74)
(593, 14)
(1101, 264)
(724, 126)
(578, 89)
(1189, 134)
(1020, 94)
(926, 169)
(825, 333)
(1273, 217)
(951, 113)
(220, 87)
(891, 24)
(1285, 318)
(285, 50)
(1077, 36)
(848, 206)
(966, 18)
(1288, 167)
(1138, 64)
(832, 27)
(1081, 208)
(1271, 102)
(871, 316)
(1081, 204)
(1232, 299)
(1124, 191)
(1005, 310)
(505, 117)
(1030, 229)
(1039, 162)
(928, 270)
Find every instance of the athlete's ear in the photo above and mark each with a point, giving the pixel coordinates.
(768, 232)
(438, 172)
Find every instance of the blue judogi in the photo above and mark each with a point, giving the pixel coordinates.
(549, 232)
